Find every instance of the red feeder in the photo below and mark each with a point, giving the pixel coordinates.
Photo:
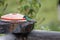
(13, 18)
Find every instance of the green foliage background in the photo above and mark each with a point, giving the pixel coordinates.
(43, 11)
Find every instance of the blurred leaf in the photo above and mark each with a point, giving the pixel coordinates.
(2, 2)
(20, 1)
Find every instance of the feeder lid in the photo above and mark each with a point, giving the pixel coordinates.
(13, 16)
